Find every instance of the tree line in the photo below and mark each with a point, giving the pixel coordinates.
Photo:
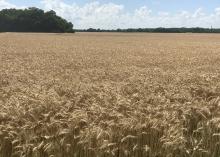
(37, 20)
(157, 30)
(33, 20)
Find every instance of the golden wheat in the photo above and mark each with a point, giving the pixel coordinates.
(109, 95)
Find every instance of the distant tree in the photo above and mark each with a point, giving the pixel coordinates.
(92, 30)
(32, 20)
(158, 30)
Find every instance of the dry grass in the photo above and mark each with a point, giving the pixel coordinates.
(109, 95)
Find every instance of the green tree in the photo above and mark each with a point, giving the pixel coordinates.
(33, 20)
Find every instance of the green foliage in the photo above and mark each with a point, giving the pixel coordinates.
(157, 30)
(33, 20)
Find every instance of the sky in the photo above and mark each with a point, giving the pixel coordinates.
(113, 14)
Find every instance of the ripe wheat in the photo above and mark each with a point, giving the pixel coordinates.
(109, 95)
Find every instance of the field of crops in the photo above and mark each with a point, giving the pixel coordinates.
(109, 95)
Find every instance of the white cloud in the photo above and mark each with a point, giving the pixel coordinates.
(142, 12)
(217, 11)
(4, 4)
(92, 14)
(198, 13)
(111, 16)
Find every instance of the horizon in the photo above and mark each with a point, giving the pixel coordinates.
(112, 14)
(152, 28)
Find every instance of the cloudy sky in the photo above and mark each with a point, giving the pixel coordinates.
(112, 14)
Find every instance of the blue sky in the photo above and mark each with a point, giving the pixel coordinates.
(156, 5)
(111, 14)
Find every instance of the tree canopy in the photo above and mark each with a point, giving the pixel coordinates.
(33, 20)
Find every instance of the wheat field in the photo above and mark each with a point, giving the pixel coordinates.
(109, 95)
